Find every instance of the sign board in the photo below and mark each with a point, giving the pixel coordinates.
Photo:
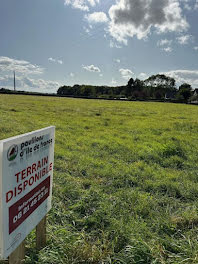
(26, 172)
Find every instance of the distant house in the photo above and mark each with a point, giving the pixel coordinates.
(170, 95)
(195, 92)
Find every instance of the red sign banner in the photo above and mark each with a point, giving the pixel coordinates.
(19, 211)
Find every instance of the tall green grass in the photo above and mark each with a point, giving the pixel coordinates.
(125, 179)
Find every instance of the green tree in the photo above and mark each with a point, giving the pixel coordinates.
(185, 86)
(185, 91)
(160, 81)
(129, 87)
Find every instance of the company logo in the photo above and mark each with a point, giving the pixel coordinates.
(12, 152)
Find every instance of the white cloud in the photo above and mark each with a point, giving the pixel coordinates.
(131, 18)
(113, 44)
(71, 75)
(164, 42)
(196, 48)
(184, 39)
(40, 83)
(7, 81)
(196, 5)
(20, 66)
(51, 59)
(117, 60)
(77, 4)
(168, 49)
(186, 4)
(143, 76)
(187, 7)
(24, 70)
(87, 30)
(97, 17)
(81, 4)
(91, 68)
(93, 2)
(126, 73)
(55, 60)
(60, 61)
(101, 75)
(113, 81)
(182, 76)
(26, 83)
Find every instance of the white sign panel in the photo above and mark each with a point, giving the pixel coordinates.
(26, 172)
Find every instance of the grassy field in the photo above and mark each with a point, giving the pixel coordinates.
(125, 179)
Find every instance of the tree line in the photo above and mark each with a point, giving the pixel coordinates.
(156, 87)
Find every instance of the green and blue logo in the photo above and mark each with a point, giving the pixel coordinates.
(12, 152)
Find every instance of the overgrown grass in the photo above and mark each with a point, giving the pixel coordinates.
(125, 179)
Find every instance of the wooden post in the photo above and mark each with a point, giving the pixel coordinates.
(41, 236)
(17, 256)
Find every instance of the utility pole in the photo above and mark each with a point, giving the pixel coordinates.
(14, 82)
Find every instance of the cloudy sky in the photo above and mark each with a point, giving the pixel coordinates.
(103, 42)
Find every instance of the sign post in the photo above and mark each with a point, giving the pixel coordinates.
(26, 174)
(18, 255)
(41, 234)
